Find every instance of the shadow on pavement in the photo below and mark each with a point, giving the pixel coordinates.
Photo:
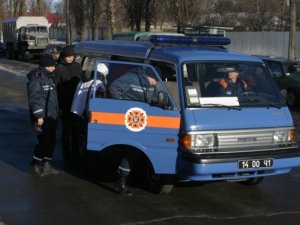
(18, 141)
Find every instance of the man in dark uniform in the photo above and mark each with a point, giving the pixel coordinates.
(68, 74)
(232, 85)
(137, 84)
(43, 109)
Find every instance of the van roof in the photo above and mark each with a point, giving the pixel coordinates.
(172, 53)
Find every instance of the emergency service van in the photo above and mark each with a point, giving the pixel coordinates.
(188, 130)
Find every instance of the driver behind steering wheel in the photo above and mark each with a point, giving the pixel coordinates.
(232, 85)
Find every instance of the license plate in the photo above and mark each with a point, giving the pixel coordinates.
(255, 163)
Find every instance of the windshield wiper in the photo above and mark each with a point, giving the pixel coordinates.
(220, 105)
(257, 99)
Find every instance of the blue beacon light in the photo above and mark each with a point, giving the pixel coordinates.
(201, 40)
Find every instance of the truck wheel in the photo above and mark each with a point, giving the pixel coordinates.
(10, 52)
(157, 183)
(291, 98)
(22, 54)
(252, 181)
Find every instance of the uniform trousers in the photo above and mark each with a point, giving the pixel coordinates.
(71, 135)
(46, 141)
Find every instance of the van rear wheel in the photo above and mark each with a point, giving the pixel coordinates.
(157, 183)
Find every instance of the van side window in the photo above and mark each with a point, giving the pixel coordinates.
(130, 82)
(276, 68)
(168, 75)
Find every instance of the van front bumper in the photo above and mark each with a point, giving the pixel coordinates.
(225, 166)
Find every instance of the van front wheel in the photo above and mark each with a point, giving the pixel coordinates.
(157, 183)
(252, 181)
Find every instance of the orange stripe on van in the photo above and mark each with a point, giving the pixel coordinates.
(119, 119)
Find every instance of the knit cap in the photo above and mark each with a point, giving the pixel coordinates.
(67, 51)
(47, 61)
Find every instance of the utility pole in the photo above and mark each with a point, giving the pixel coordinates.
(292, 35)
(68, 36)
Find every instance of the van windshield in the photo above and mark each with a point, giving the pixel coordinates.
(224, 84)
(35, 29)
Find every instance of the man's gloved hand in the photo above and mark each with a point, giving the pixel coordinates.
(37, 126)
(37, 129)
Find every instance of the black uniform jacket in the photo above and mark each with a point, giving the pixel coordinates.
(67, 77)
(42, 95)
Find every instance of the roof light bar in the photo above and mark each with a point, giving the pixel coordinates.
(201, 40)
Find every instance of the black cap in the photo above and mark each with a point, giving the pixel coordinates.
(47, 61)
(150, 73)
(67, 51)
(232, 69)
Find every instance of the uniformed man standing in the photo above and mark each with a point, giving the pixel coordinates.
(43, 110)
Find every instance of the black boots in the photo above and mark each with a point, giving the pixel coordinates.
(48, 169)
(36, 169)
(121, 187)
(40, 171)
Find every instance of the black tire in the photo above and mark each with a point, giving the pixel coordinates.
(252, 181)
(157, 183)
(291, 98)
(22, 54)
(10, 52)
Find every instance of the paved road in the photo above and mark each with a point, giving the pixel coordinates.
(86, 197)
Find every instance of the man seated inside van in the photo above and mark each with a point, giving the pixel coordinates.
(137, 84)
(232, 85)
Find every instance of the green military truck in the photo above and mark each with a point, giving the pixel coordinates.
(25, 37)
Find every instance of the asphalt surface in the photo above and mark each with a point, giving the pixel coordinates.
(80, 196)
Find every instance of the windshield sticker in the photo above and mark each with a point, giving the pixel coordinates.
(135, 119)
(225, 101)
(193, 96)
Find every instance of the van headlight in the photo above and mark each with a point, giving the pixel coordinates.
(199, 142)
(283, 136)
(31, 43)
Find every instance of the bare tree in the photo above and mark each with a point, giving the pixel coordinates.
(12, 8)
(259, 15)
(93, 8)
(150, 12)
(39, 7)
(119, 17)
(283, 15)
(183, 12)
(137, 10)
(78, 13)
(108, 10)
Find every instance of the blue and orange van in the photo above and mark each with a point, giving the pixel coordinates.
(190, 131)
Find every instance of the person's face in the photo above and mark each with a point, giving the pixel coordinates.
(50, 68)
(233, 76)
(152, 81)
(69, 59)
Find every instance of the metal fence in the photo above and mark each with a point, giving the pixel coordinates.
(262, 43)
